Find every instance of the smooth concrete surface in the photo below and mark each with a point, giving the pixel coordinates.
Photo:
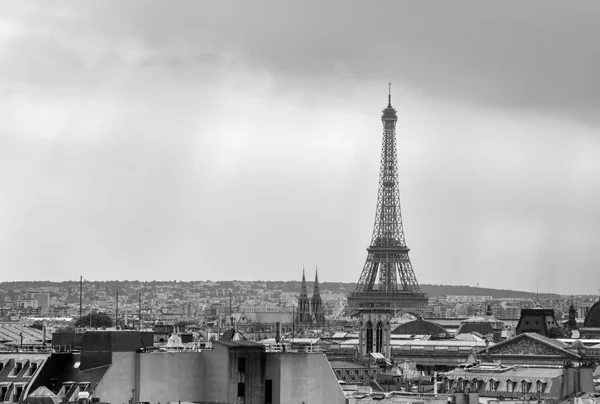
(304, 378)
(215, 374)
(171, 376)
(118, 384)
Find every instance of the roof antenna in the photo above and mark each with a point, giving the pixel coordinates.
(390, 95)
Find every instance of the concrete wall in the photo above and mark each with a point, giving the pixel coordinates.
(171, 376)
(118, 384)
(253, 375)
(586, 380)
(216, 373)
(301, 378)
(212, 376)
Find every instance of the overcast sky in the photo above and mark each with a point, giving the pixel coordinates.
(196, 140)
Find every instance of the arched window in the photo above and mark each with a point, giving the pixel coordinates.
(510, 386)
(369, 338)
(541, 386)
(379, 337)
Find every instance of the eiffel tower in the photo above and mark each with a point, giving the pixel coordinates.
(397, 291)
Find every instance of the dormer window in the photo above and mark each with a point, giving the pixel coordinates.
(17, 393)
(17, 369)
(493, 385)
(540, 386)
(32, 368)
(66, 387)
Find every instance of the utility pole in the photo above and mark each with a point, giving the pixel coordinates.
(140, 311)
(80, 295)
(231, 314)
(117, 311)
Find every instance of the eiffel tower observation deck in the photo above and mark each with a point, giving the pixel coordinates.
(388, 283)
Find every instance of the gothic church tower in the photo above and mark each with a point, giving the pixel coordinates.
(303, 315)
(316, 304)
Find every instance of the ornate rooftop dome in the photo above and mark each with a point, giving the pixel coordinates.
(592, 319)
(422, 327)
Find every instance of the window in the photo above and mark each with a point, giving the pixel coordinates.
(540, 386)
(17, 369)
(510, 386)
(379, 337)
(17, 394)
(493, 385)
(241, 364)
(369, 337)
(32, 368)
(525, 386)
(448, 385)
(461, 385)
(3, 392)
(241, 390)
(268, 391)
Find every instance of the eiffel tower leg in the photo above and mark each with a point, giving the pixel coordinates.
(369, 275)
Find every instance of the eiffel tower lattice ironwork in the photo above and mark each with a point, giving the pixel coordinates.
(388, 282)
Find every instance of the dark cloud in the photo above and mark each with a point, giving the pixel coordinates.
(538, 54)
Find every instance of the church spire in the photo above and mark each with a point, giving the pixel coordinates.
(303, 288)
(316, 291)
(316, 303)
(303, 302)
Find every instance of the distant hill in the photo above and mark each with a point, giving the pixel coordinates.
(445, 290)
(286, 286)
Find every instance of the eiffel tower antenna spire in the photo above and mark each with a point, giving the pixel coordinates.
(390, 95)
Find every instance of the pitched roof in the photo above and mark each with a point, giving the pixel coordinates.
(421, 327)
(242, 344)
(549, 342)
(42, 395)
(42, 391)
(11, 334)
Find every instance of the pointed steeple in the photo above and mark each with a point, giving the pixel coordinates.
(316, 291)
(303, 302)
(303, 288)
(316, 303)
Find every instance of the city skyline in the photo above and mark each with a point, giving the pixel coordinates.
(146, 141)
